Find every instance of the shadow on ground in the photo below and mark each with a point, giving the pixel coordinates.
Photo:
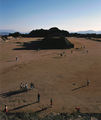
(11, 93)
(46, 43)
(43, 109)
(79, 87)
(22, 106)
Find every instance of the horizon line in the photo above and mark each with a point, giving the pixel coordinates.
(13, 30)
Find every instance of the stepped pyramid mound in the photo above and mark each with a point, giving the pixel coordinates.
(56, 43)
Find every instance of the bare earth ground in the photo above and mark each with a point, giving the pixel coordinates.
(58, 77)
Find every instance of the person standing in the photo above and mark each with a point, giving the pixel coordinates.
(32, 85)
(77, 109)
(51, 102)
(26, 87)
(88, 82)
(21, 85)
(38, 97)
(6, 109)
(16, 58)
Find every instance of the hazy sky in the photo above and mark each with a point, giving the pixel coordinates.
(71, 15)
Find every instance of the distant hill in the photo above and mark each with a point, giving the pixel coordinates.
(6, 32)
(89, 32)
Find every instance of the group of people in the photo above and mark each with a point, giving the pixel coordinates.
(38, 95)
(62, 54)
(25, 86)
(83, 46)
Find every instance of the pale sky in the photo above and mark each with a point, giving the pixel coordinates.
(70, 15)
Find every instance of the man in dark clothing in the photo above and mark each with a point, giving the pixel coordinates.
(38, 96)
(16, 58)
(32, 85)
(51, 102)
